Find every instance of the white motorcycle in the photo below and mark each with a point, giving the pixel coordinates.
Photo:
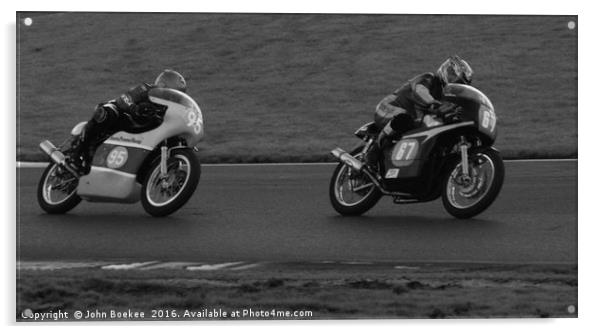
(158, 167)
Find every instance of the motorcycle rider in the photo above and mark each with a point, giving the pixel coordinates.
(404, 109)
(132, 112)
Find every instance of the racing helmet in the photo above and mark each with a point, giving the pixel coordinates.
(171, 79)
(455, 70)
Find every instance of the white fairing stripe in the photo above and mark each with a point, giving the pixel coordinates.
(433, 132)
(128, 144)
(109, 170)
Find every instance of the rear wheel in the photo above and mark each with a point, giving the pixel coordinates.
(164, 194)
(57, 190)
(352, 193)
(466, 197)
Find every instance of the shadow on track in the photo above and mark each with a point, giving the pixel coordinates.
(109, 219)
(412, 221)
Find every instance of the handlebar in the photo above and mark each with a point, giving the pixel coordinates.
(448, 112)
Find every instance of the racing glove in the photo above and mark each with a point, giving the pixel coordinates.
(434, 108)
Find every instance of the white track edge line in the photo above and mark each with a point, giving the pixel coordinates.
(216, 266)
(238, 265)
(26, 164)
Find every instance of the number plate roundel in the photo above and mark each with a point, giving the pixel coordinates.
(117, 157)
(406, 150)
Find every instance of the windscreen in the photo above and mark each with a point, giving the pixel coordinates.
(458, 93)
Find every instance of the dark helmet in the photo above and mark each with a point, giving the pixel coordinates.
(455, 70)
(171, 79)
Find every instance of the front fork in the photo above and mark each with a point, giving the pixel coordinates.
(465, 177)
(165, 152)
(163, 161)
(163, 167)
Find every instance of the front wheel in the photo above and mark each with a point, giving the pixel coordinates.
(352, 193)
(164, 194)
(467, 197)
(57, 190)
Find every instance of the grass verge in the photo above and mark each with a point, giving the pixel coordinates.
(428, 291)
(291, 87)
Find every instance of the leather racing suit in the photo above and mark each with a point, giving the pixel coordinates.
(404, 109)
(131, 112)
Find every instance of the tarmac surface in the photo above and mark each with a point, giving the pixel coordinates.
(281, 213)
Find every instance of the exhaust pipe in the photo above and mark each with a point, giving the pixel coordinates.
(352, 162)
(347, 159)
(56, 155)
(53, 152)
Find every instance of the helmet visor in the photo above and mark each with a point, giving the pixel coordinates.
(465, 72)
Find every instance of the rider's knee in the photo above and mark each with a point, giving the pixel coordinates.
(402, 123)
(105, 114)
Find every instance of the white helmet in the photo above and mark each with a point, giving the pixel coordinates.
(171, 79)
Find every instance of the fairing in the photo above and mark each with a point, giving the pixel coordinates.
(476, 107)
(409, 155)
(408, 158)
(117, 161)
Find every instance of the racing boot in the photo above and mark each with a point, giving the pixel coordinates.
(77, 156)
(84, 146)
(374, 153)
(96, 130)
(372, 156)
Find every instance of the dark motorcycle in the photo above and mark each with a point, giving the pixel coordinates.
(450, 156)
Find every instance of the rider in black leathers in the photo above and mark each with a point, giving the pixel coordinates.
(131, 112)
(404, 109)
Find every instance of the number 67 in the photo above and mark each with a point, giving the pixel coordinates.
(488, 120)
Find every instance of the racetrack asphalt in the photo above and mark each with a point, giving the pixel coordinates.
(281, 213)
